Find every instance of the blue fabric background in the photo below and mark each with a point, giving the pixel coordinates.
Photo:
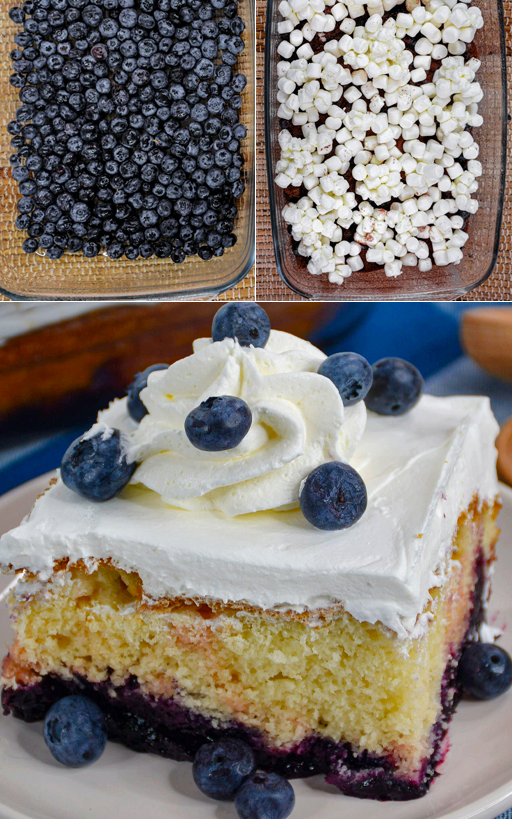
(426, 334)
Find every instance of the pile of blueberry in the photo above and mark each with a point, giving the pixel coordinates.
(76, 735)
(333, 495)
(128, 138)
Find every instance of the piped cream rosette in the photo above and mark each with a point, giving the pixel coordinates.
(298, 423)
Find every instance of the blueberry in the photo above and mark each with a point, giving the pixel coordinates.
(219, 423)
(17, 15)
(54, 253)
(220, 768)
(485, 670)
(136, 408)
(92, 15)
(215, 178)
(25, 204)
(96, 467)
(128, 18)
(351, 375)
(80, 212)
(265, 796)
(30, 245)
(396, 388)
(45, 241)
(333, 496)
(240, 131)
(245, 321)
(91, 249)
(115, 250)
(74, 731)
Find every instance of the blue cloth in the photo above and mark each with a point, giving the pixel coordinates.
(424, 333)
(25, 460)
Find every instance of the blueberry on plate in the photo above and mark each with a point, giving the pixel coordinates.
(265, 796)
(333, 496)
(485, 670)
(219, 423)
(245, 321)
(351, 375)
(74, 731)
(396, 388)
(136, 408)
(96, 466)
(220, 768)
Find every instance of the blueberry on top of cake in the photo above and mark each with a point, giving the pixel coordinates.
(286, 549)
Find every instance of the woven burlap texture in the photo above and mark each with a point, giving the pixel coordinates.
(270, 287)
(245, 291)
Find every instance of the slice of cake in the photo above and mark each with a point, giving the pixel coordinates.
(246, 582)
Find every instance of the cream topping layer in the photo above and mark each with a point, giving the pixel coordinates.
(421, 470)
(298, 423)
(18, 319)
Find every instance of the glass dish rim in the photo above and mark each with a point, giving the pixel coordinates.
(185, 295)
(438, 294)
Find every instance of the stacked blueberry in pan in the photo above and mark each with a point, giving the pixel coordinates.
(378, 100)
(128, 138)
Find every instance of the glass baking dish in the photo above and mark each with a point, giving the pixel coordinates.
(481, 250)
(32, 276)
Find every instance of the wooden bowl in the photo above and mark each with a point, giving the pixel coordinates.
(486, 336)
(504, 444)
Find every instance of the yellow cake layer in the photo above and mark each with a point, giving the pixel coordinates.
(344, 680)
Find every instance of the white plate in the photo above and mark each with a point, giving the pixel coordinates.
(476, 780)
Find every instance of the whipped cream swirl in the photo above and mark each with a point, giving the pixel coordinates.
(299, 422)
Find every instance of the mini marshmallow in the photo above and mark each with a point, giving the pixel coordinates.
(424, 46)
(355, 263)
(374, 256)
(418, 74)
(439, 52)
(285, 49)
(393, 269)
(339, 11)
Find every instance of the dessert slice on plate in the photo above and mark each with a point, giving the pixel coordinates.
(209, 565)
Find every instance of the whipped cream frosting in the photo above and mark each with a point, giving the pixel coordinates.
(17, 319)
(298, 423)
(421, 471)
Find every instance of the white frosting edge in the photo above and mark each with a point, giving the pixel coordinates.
(380, 570)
